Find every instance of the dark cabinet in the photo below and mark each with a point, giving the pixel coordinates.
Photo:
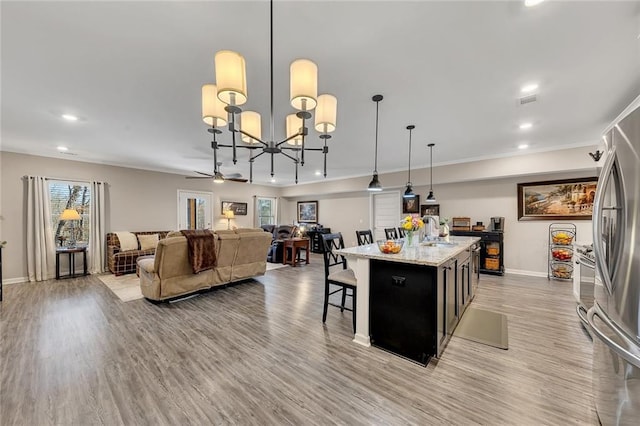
(403, 312)
(491, 250)
(315, 237)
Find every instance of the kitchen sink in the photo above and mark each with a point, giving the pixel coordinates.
(438, 244)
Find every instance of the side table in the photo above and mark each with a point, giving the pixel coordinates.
(295, 244)
(71, 252)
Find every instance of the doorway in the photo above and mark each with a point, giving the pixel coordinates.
(194, 209)
(386, 212)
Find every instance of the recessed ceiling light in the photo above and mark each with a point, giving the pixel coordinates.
(525, 126)
(523, 146)
(273, 180)
(63, 148)
(69, 117)
(528, 88)
(531, 3)
(318, 173)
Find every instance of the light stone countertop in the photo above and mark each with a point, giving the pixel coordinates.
(420, 255)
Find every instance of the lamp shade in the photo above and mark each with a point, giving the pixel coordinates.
(326, 112)
(250, 122)
(213, 112)
(375, 185)
(231, 77)
(294, 123)
(70, 214)
(304, 84)
(229, 214)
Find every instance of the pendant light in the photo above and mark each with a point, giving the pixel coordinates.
(408, 193)
(431, 198)
(374, 185)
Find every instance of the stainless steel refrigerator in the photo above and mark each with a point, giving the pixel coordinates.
(614, 316)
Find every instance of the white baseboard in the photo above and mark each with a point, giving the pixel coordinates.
(15, 280)
(528, 273)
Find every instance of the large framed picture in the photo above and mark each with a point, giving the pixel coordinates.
(567, 199)
(307, 212)
(430, 210)
(239, 209)
(411, 204)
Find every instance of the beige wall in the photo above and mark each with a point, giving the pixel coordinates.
(479, 190)
(136, 199)
(146, 200)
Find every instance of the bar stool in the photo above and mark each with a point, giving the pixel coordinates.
(391, 233)
(340, 275)
(364, 237)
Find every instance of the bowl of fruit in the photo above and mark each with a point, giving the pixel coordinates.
(562, 254)
(561, 270)
(564, 238)
(390, 246)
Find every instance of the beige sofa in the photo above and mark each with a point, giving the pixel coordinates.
(241, 254)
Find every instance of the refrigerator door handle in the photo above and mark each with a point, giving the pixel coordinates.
(597, 218)
(595, 311)
(581, 310)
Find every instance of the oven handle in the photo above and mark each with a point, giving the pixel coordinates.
(595, 311)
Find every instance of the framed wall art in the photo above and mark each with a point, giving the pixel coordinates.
(307, 212)
(411, 204)
(239, 209)
(567, 199)
(430, 210)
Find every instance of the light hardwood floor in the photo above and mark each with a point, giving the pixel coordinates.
(258, 353)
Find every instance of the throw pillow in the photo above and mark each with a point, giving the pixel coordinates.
(128, 241)
(148, 242)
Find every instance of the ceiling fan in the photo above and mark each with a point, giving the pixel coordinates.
(218, 177)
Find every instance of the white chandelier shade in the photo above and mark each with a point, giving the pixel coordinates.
(294, 124)
(326, 113)
(213, 112)
(303, 80)
(231, 77)
(250, 122)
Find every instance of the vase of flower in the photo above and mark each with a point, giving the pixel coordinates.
(410, 225)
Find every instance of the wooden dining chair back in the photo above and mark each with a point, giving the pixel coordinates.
(337, 273)
(390, 233)
(364, 237)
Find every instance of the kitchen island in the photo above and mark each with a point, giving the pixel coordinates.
(410, 302)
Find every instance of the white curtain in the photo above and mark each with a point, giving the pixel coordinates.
(97, 228)
(40, 245)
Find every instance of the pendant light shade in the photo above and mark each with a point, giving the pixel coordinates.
(213, 112)
(326, 113)
(294, 123)
(231, 77)
(431, 198)
(408, 192)
(303, 84)
(375, 185)
(250, 123)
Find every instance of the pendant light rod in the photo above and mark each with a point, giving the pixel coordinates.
(271, 76)
(408, 192)
(375, 185)
(376, 99)
(431, 145)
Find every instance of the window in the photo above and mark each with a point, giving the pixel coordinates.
(266, 211)
(75, 196)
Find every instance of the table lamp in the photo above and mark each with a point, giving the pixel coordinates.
(71, 215)
(229, 215)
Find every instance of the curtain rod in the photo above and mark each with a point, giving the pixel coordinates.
(66, 180)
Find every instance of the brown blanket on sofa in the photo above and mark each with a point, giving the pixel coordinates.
(202, 249)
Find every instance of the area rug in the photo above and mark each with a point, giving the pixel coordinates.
(126, 287)
(487, 327)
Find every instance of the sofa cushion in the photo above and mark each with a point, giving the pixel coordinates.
(148, 242)
(128, 241)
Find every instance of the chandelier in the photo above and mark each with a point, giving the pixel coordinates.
(221, 106)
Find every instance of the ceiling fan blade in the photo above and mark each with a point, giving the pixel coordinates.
(242, 180)
(198, 177)
(233, 176)
(204, 174)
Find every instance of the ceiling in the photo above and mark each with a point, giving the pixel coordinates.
(132, 73)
